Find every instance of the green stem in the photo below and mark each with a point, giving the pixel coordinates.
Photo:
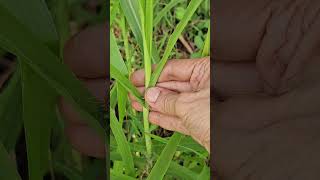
(147, 28)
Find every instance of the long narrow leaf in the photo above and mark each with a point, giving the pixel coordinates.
(36, 17)
(7, 169)
(19, 40)
(192, 7)
(10, 112)
(116, 74)
(130, 9)
(38, 114)
(115, 56)
(116, 176)
(123, 146)
(206, 47)
(163, 163)
(165, 10)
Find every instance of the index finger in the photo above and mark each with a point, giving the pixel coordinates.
(174, 70)
(86, 53)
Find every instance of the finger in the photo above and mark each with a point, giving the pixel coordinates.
(137, 106)
(97, 87)
(86, 54)
(176, 86)
(230, 79)
(168, 122)
(286, 49)
(250, 25)
(308, 47)
(174, 70)
(251, 113)
(140, 89)
(85, 140)
(166, 103)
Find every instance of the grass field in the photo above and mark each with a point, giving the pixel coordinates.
(146, 32)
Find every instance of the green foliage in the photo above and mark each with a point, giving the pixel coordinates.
(35, 32)
(140, 30)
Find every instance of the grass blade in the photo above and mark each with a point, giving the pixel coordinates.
(130, 8)
(116, 74)
(17, 39)
(123, 145)
(163, 163)
(192, 7)
(11, 112)
(61, 18)
(37, 139)
(205, 174)
(180, 171)
(38, 114)
(8, 171)
(116, 176)
(34, 14)
(180, 146)
(206, 47)
(122, 102)
(115, 56)
(147, 63)
(165, 10)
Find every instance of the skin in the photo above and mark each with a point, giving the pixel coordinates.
(266, 80)
(265, 77)
(85, 55)
(181, 99)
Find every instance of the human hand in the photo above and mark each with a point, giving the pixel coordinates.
(181, 99)
(261, 137)
(258, 136)
(280, 36)
(86, 56)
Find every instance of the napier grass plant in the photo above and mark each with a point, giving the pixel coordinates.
(35, 32)
(136, 151)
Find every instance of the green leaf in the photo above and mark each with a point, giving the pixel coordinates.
(115, 56)
(199, 42)
(16, 38)
(206, 47)
(11, 112)
(38, 112)
(38, 99)
(163, 162)
(188, 147)
(69, 172)
(165, 11)
(192, 7)
(180, 11)
(113, 96)
(8, 171)
(61, 18)
(130, 9)
(182, 172)
(205, 173)
(116, 176)
(122, 102)
(35, 16)
(116, 74)
(114, 10)
(123, 145)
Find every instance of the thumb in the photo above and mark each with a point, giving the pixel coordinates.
(163, 101)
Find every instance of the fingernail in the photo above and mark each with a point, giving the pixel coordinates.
(152, 94)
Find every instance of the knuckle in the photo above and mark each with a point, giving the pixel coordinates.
(200, 75)
(288, 29)
(169, 104)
